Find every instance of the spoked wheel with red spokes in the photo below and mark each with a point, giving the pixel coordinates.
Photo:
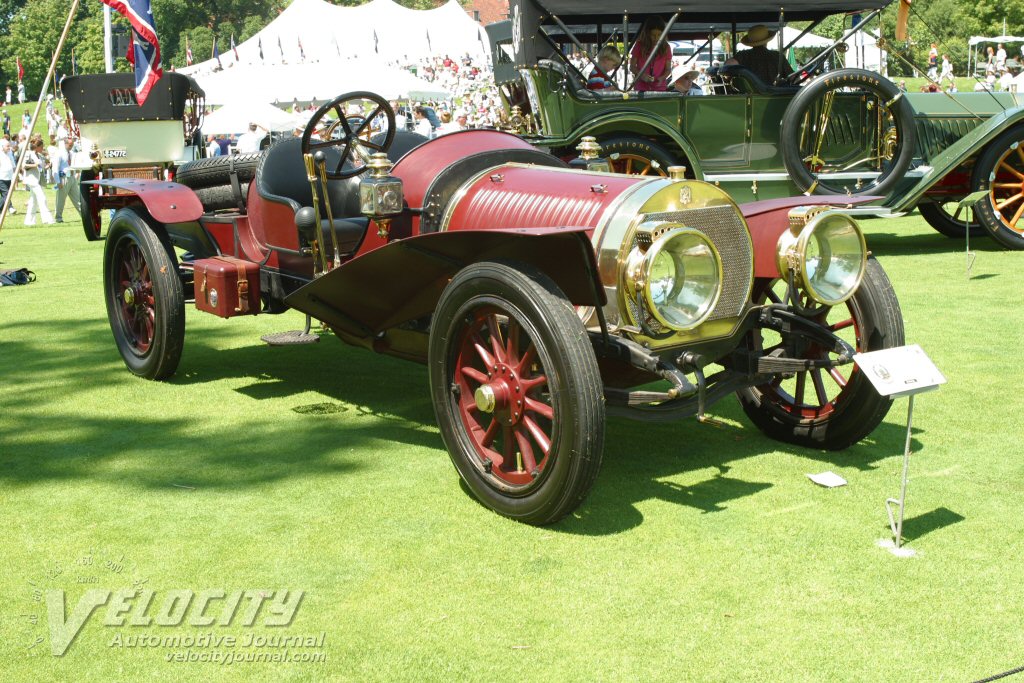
(831, 408)
(145, 301)
(516, 390)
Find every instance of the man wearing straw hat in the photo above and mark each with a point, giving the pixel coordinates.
(765, 63)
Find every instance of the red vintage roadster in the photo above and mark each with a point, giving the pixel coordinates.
(541, 295)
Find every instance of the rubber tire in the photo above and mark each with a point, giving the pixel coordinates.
(92, 221)
(881, 327)
(134, 225)
(220, 197)
(793, 118)
(214, 171)
(565, 351)
(984, 211)
(642, 147)
(943, 223)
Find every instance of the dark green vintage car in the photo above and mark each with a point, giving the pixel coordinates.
(823, 130)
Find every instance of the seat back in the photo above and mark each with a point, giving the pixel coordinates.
(281, 177)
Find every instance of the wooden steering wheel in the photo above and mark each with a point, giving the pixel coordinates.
(340, 132)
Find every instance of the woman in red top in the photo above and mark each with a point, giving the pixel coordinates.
(655, 76)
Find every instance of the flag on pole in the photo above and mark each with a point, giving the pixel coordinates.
(375, 46)
(74, 64)
(260, 43)
(146, 45)
(280, 47)
(188, 53)
(302, 53)
(216, 53)
(21, 68)
(429, 48)
(234, 48)
(129, 54)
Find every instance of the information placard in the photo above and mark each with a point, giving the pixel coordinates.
(900, 371)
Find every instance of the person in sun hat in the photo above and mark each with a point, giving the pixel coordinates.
(682, 80)
(766, 64)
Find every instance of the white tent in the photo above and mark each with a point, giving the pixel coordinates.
(789, 34)
(236, 116)
(975, 41)
(323, 81)
(863, 52)
(315, 31)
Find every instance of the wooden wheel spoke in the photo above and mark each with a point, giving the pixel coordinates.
(1016, 216)
(527, 359)
(841, 325)
(473, 374)
(481, 350)
(512, 345)
(1005, 166)
(490, 434)
(838, 377)
(542, 409)
(1011, 186)
(1020, 153)
(508, 446)
(532, 383)
(819, 387)
(526, 451)
(1009, 200)
(801, 384)
(538, 434)
(497, 344)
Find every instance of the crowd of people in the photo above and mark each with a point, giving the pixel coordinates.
(47, 164)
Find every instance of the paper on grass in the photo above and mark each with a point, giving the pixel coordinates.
(827, 479)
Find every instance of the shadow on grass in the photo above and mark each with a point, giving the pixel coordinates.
(166, 448)
(939, 518)
(901, 244)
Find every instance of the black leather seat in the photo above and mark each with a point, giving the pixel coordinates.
(281, 177)
(754, 82)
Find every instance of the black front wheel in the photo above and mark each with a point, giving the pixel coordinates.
(830, 409)
(145, 301)
(947, 218)
(516, 391)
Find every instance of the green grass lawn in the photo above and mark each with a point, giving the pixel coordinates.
(702, 554)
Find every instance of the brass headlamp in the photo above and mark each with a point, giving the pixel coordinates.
(590, 158)
(826, 252)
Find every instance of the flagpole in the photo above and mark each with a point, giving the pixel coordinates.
(108, 41)
(39, 103)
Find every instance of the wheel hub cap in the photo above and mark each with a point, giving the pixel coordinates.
(485, 399)
(129, 297)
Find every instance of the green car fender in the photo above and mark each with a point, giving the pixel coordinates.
(618, 123)
(968, 147)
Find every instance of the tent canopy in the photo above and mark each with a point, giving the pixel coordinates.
(315, 31)
(322, 82)
(236, 116)
(994, 39)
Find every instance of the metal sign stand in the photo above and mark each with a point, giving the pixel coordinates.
(897, 524)
(901, 371)
(968, 202)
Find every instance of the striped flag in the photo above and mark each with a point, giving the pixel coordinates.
(145, 44)
(188, 53)
(234, 48)
(302, 53)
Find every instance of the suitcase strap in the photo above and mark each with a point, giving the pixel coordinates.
(243, 287)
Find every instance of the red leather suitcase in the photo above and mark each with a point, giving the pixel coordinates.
(227, 286)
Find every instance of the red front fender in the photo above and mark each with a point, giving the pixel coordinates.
(403, 280)
(769, 218)
(165, 201)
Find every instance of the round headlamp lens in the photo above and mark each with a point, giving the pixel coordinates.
(683, 278)
(834, 257)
